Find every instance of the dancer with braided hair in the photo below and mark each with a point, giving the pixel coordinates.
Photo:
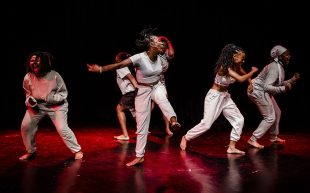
(228, 69)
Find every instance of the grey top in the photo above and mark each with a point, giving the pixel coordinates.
(51, 88)
(271, 79)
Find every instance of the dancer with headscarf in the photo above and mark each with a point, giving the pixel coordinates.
(268, 83)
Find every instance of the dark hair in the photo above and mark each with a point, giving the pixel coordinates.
(122, 55)
(47, 60)
(145, 37)
(226, 58)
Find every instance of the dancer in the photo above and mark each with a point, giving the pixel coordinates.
(228, 69)
(148, 70)
(268, 83)
(46, 94)
(128, 86)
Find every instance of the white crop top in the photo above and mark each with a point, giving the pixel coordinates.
(224, 80)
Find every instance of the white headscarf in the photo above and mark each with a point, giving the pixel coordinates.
(277, 51)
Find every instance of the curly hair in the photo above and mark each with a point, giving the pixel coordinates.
(145, 37)
(46, 60)
(226, 58)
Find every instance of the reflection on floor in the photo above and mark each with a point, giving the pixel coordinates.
(204, 167)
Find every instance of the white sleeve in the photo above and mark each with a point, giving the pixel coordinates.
(122, 72)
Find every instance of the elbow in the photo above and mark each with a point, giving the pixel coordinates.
(241, 80)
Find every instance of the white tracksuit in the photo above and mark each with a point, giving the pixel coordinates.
(148, 72)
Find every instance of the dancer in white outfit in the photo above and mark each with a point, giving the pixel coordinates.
(228, 69)
(128, 85)
(46, 95)
(148, 70)
(269, 82)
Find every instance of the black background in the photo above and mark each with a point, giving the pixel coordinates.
(81, 32)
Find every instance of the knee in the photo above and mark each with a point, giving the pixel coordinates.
(271, 118)
(241, 122)
(118, 108)
(25, 127)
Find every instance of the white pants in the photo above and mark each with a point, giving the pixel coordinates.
(270, 111)
(58, 115)
(215, 103)
(143, 101)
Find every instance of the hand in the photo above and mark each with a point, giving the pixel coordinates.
(288, 87)
(254, 69)
(250, 88)
(295, 77)
(93, 68)
(32, 101)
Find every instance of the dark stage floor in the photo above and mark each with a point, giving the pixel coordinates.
(203, 168)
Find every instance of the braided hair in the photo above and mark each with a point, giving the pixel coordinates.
(225, 60)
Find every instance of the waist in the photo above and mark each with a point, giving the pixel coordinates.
(149, 84)
(219, 87)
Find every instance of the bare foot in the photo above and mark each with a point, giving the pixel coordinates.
(234, 150)
(169, 132)
(78, 155)
(277, 140)
(122, 137)
(255, 144)
(136, 161)
(183, 143)
(175, 126)
(27, 156)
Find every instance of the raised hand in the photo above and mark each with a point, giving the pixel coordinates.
(288, 87)
(254, 69)
(295, 77)
(250, 88)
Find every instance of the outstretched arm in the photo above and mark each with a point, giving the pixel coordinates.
(243, 72)
(243, 77)
(99, 69)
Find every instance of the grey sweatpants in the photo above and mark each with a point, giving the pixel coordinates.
(58, 115)
(270, 111)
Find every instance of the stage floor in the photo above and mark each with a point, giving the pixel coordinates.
(204, 167)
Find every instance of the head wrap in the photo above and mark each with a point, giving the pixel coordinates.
(277, 51)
